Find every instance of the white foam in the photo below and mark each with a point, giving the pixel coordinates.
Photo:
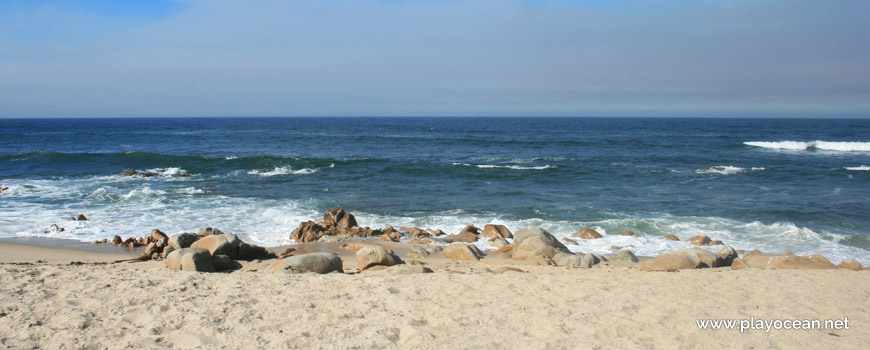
(818, 145)
(722, 169)
(859, 168)
(513, 167)
(283, 170)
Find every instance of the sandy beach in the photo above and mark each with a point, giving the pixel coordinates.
(468, 305)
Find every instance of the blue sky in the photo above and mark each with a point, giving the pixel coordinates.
(106, 58)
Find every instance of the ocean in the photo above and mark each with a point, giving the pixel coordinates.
(777, 185)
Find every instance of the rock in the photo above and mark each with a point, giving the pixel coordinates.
(716, 242)
(181, 240)
(117, 240)
(339, 219)
(505, 249)
(422, 251)
(464, 236)
(248, 252)
(286, 252)
(312, 262)
(819, 258)
(437, 233)
(627, 233)
(692, 258)
(209, 231)
(671, 238)
(388, 238)
(308, 231)
(416, 232)
(535, 241)
(157, 236)
(130, 172)
(150, 249)
(166, 250)
(190, 259)
(567, 259)
(225, 244)
(785, 261)
(4, 189)
(409, 269)
(375, 255)
(329, 238)
(569, 241)
(472, 229)
(699, 240)
(498, 243)
(459, 251)
(589, 260)
(223, 263)
(586, 233)
(626, 255)
(738, 264)
(80, 217)
(500, 231)
(726, 255)
(851, 264)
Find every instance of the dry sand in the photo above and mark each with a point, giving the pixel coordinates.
(462, 305)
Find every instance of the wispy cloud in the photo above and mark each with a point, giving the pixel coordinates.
(475, 57)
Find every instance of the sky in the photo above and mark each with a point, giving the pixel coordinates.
(163, 58)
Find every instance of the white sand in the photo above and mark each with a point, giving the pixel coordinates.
(143, 305)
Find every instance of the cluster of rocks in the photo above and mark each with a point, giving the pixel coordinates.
(211, 250)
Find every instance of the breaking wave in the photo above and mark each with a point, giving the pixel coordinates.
(813, 145)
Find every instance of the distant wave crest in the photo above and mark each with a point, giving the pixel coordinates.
(859, 168)
(283, 170)
(514, 167)
(813, 145)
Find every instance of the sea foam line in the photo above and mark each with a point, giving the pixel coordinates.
(817, 145)
(513, 167)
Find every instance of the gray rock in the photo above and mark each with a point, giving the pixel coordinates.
(373, 255)
(692, 258)
(166, 250)
(461, 251)
(535, 241)
(420, 251)
(190, 259)
(182, 240)
(627, 255)
(566, 259)
(150, 249)
(312, 262)
(589, 260)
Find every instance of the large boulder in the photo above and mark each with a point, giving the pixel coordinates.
(190, 259)
(308, 231)
(589, 260)
(459, 251)
(182, 240)
(535, 241)
(671, 238)
(496, 231)
(727, 255)
(250, 252)
(420, 251)
(785, 261)
(373, 255)
(586, 233)
(223, 263)
(225, 244)
(692, 258)
(339, 219)
(311, 262)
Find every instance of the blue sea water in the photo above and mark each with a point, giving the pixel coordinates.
(800, 185)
